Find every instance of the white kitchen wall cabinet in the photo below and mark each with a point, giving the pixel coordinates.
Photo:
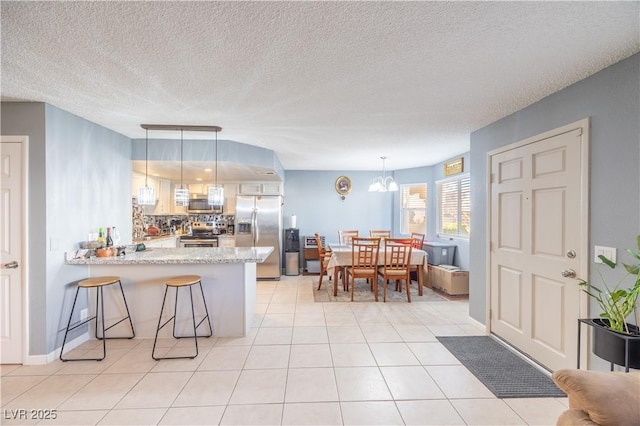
(138, 180)
(198, 188)
(260, 188)
(230, 193)
(164, 195)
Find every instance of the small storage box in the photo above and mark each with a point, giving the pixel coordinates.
(439, 253)
(452, 281)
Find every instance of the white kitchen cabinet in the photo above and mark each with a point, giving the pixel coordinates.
(198, 188)
(260, 188)
(138, 180)
(230, 193)
(162, 242)
(165, 198)
(226, 241)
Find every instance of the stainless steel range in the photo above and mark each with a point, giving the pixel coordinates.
(203, 234)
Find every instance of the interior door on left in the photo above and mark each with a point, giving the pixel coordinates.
(11, 252)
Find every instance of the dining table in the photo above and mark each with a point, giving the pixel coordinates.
(341, 257)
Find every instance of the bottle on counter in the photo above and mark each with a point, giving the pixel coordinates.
(109, 239)
(115, 234)
(101, 238)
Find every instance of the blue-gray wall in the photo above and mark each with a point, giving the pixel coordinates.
(204, 150)
(612, 99)
(311, 196)
(79, 179)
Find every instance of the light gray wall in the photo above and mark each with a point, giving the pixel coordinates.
(312, 197)
(29, 119)
(462, 255)
(88, 177)
(612, 99)
(79, 179)
(203, 150)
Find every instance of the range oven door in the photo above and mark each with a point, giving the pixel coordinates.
(199, 243)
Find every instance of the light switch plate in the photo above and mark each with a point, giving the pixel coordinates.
(608, 252)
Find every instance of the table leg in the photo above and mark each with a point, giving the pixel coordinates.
(420, 277)
(335, 282)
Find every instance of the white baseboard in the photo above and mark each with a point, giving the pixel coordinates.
(51, 356)
(478, 324)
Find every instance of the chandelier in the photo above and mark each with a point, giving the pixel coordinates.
(383, 183)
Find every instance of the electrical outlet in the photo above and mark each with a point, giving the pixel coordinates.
(84, 314)
(608, 252)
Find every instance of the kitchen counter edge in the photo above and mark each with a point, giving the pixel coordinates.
(173, 256)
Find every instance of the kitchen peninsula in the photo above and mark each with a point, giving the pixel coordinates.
(228, 280)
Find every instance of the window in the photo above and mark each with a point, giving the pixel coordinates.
(454, 207)
(413, 199)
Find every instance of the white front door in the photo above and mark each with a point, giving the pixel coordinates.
(11, 232)
(538, 236)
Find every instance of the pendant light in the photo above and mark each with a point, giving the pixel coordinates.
(181, 194)
(146, 194)
(216, 193)
(383, 183)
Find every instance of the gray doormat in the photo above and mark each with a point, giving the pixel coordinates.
(505, 374)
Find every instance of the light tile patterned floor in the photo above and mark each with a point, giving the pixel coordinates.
(329, 363)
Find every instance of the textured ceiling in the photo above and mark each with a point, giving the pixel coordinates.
(327, 85)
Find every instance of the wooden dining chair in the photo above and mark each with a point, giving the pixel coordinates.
(381, 233)
(397, 259)
(364, 263)
(345, 237)
(417, 242)
(324, 256)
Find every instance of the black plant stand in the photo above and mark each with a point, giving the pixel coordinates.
(620, 336)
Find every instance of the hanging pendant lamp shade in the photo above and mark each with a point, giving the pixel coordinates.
(181, 193)
(216, 193)
(146, 193)
(383, 183)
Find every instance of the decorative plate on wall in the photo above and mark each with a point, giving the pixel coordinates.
(343, 185)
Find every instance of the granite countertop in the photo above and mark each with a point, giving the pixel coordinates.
(173, 256)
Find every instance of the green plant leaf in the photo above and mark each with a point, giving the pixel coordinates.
(607, 262)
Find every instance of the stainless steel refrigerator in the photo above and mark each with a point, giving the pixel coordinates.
(259, 223)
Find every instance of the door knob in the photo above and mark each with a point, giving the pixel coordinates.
(569, 273)
(10, 265)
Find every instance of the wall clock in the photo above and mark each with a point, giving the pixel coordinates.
(343, 185)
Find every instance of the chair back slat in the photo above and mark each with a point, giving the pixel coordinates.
(364, 253)
(397, 254)
(345, 236)
(417, 240)
(382, 233)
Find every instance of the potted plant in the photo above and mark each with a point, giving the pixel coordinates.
(611, 332)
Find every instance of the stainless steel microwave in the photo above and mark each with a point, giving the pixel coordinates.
(200, 205)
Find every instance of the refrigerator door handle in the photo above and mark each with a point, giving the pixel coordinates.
(256, 231)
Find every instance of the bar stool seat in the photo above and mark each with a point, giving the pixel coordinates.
(178, 282)
(98, 283)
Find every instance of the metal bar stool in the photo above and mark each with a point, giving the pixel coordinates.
(98, 283)
(178, 282)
